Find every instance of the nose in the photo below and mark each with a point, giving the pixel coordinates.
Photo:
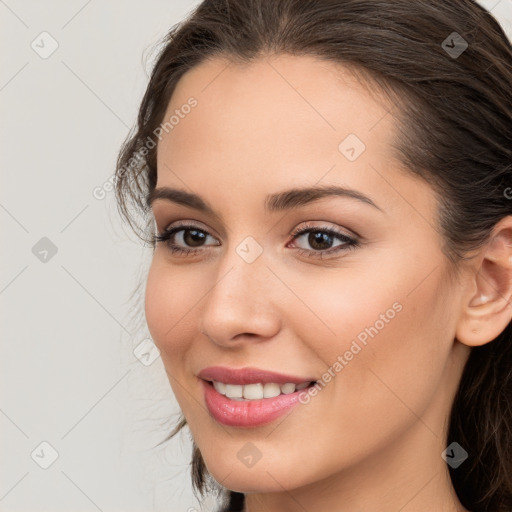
(242, 303)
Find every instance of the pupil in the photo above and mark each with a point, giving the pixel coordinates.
(194, 237)
(316, 238)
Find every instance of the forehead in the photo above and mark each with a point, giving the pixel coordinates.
(282, 108)
(274, 123)
(283, 95)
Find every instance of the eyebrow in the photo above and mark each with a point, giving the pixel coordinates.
(277, 202)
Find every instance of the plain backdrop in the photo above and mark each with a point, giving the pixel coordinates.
(82, 402)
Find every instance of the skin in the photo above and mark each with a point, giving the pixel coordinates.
(372, 438)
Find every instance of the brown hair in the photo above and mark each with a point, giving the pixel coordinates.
(455, 132)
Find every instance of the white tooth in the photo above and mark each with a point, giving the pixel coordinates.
(234, 391)
(253, 391)
(288, 388)
(270, 390)
(302, 386)
(220, 387)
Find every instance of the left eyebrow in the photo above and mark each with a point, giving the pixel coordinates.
(301, 196)
(279, 201)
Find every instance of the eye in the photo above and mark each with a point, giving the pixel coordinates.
(321, 239)
(190, 236)
(187, 239)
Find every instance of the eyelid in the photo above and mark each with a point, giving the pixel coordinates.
(324, 226)
(188, 223)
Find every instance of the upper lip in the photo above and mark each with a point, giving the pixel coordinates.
(248, 375)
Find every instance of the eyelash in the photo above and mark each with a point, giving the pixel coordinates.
(349, 243)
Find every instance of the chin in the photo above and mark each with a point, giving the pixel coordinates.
(257, 479)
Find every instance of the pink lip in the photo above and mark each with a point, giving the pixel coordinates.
(249, 376)
(251, 413)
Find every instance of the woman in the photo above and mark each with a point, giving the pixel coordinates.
(326, 186)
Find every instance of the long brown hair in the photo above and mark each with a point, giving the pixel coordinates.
(455, 132)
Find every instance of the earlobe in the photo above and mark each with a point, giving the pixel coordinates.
(487, 307)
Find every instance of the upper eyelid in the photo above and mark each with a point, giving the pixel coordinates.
(192, 224)
(324, 227)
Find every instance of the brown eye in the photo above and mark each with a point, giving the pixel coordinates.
(183, 239)
(193, 237)
(319, 240)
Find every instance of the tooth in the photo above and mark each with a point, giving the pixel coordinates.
(270, 390)
(220, 387)
(234, 391)
(288, 388)
(253, 391)
(256, 391)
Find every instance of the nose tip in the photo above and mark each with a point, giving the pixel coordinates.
(235, 332)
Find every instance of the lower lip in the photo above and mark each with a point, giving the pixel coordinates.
(250, 413)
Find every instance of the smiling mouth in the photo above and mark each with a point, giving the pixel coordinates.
(257, 391)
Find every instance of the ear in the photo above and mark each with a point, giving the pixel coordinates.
(486, 307)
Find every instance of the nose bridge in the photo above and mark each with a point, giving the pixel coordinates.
(243, 270)
(240, 300)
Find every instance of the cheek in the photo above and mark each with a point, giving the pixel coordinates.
(383, 345)
(390, 311)
(157, 304)
(169, 307)
(340, 312)
(169, 301)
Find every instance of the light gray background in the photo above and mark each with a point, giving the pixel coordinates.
(69, 376)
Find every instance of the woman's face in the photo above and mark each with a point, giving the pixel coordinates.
(253, 295)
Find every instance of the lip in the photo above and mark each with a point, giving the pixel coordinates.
(251, 413)
(249, 375)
